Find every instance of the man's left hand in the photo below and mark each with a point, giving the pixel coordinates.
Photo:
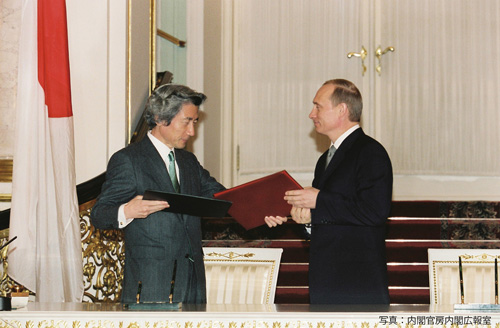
(273, 221)
(301, 215)
(304, 198)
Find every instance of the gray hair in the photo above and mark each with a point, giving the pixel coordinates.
(167, 100)
(346, 92)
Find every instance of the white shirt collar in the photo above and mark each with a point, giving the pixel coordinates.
(162, 149)
(341, 139)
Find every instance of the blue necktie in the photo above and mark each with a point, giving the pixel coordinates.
(171, 171)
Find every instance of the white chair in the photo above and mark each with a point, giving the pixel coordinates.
(478, 271)
(241, 275)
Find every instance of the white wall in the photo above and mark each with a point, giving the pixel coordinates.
(195, 68)
(88, 39)
(105, 113)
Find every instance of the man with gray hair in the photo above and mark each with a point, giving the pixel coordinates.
(159, 242)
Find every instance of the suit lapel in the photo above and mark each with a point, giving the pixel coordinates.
(183, 179)
(154, 163)
(182, 164)
(340, 155)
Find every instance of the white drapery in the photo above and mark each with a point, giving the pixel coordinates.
(439, 100)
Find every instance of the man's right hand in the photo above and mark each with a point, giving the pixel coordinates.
(140, 209)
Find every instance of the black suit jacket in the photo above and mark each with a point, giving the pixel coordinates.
(347, 254)
(153, 244)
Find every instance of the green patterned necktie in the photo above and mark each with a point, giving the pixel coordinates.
(171, 171)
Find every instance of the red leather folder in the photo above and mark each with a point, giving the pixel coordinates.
(256, 199)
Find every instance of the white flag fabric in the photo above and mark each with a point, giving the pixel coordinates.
(46, 257)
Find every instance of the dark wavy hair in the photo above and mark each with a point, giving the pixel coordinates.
(166, 101)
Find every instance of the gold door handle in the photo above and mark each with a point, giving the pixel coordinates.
(361, 55)
(379, 53)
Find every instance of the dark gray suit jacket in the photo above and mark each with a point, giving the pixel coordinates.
(153, 244)
(347, 254)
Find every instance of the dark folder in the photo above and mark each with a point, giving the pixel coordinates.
(190, 205)
(256, 199)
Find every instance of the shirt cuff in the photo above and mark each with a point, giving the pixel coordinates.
(122, 220)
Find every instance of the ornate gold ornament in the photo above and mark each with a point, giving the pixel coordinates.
(6, 284)
(103, 261)
(482, 257)
(231, 255)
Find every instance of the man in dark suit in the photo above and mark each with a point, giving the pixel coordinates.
(347, 205)
(156, 242)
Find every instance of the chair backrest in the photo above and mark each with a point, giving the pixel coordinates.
(241, 275)
(478, 272)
